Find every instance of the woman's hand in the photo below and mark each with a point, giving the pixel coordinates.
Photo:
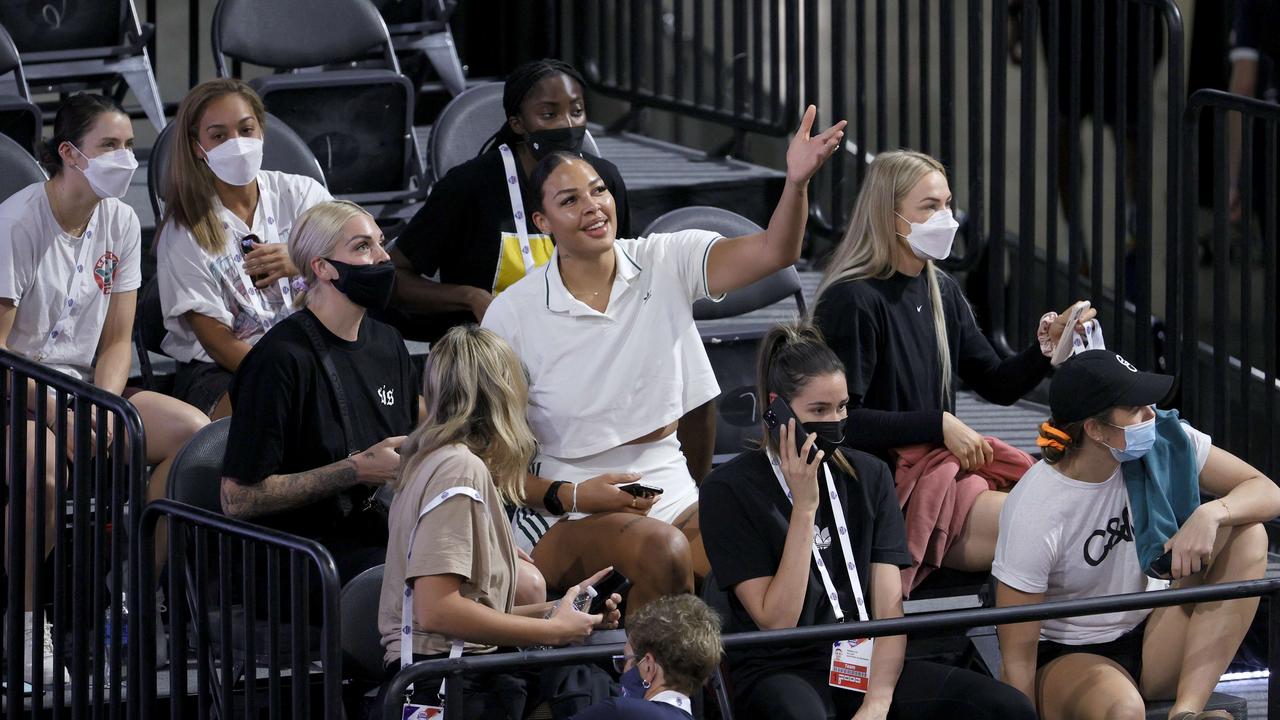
(801, 476)
(568, 624)
(971, 449)
(806, 154)
(1059, 326)
(601, 494)
(267, 263)
(1192, 545)
(611, 616)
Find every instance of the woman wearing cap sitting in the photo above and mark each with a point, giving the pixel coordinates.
(1113, 508)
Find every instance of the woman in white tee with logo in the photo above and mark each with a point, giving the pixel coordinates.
(224, 271)
(69, 275)
(605, 330)
(1072, 528)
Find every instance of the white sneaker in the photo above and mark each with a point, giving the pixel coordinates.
(47, 662)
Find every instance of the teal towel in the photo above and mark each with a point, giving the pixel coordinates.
(1164, 487)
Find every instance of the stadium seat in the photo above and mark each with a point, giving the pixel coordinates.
(195, 478)
(466, 123)
(148, 330)
(65, 46)
(717, 684)
(357, 122)
(283, 151)
(20, 118)
(423, 26)
(362, 668)
(732, 350)
(17, 168)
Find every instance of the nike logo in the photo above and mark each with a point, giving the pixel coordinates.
(919, 308)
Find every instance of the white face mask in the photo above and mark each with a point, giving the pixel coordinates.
(931, 239)
(109, 174)
(236, 161)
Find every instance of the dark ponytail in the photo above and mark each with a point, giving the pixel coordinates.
(517, 87)
(791, 355)
(1057, 439)
(75, 118)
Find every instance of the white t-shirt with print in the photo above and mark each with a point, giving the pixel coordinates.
(599, 380)
(45, 271)
(1070, 539)
(212, 284)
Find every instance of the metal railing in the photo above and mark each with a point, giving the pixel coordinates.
(1228, 367)
(453, 669)
(68, 536)
(241, 600)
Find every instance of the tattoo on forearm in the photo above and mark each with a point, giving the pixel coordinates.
(277, 493)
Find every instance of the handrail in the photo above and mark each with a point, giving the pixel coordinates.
(454, 668)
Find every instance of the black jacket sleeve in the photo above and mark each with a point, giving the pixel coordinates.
(1002, 381)
(440, 221)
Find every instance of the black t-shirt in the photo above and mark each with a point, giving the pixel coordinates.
(286, 416)
(463, 225)
(1257, 28)
(744, 517)
(883, 331)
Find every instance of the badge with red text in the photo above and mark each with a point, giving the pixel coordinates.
(851, 664)
(422, 712)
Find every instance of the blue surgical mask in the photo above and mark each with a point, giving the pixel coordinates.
(1138, 441)
(632, 684)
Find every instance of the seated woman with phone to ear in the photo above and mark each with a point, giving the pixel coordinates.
(806, 532)
(1114, 507)
(451, 574)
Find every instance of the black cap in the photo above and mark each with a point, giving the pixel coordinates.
(1096, 380)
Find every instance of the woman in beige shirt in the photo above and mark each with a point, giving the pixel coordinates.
(451, 559)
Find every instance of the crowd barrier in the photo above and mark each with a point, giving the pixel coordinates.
(255, 606)
(91, 472)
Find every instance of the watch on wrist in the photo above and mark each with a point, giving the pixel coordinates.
(551, 501)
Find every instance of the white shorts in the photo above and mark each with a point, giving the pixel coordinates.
(660, 464)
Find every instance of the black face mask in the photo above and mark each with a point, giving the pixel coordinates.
(829, 435)
(368, 286)
(544, 142)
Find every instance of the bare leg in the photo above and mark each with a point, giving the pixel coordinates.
(49, 479)
(168, 423)
(651, 553)
(531, 587)
(697, 434)
(1187, 648)
(976, 548)
(1082, 686)
(688, 524)
(222, 409)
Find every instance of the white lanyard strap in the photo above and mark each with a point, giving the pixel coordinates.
(517, 206)
(78, 276)
(406, 616)
(841, 538)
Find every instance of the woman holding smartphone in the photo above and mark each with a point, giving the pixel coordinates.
(450, 581)
(799, 539)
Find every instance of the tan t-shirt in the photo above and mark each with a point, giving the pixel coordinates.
(459, 537)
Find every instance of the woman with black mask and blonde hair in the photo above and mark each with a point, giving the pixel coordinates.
(452, 569)
(804, 531)
(224, 272)
(906, 335)
(324, 399)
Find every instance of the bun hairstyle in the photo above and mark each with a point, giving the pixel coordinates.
(75, 118)
(517, 87)
(791, 355)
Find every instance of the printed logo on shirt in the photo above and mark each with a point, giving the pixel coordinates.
(387, 396)
(1100, 542)
(511, 262)
(104, 271)
(919, 308)
(821, 537)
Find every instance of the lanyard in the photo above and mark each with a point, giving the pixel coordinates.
(77, 279)
(841, 538)
(406, 608)
(517, 206)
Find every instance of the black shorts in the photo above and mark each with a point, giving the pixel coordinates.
(201, 384)
(1125, 651)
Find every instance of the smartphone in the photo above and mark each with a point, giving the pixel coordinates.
(776, 416)
(1162, 567)
(614, 582)
(246, 243)
(641, 491)
(1071, 341)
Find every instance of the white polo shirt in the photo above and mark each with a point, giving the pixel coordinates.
(599, 380)
(62, 285)
(212, 284)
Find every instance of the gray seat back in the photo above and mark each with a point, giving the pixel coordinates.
(11, 62)
(17, 168)
(283, 150)
(290, 34)
(362, 651)
(55, 27)
(759, 294)
(195, 478)
(466, 123)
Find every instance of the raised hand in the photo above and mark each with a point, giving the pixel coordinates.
(806, 154)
